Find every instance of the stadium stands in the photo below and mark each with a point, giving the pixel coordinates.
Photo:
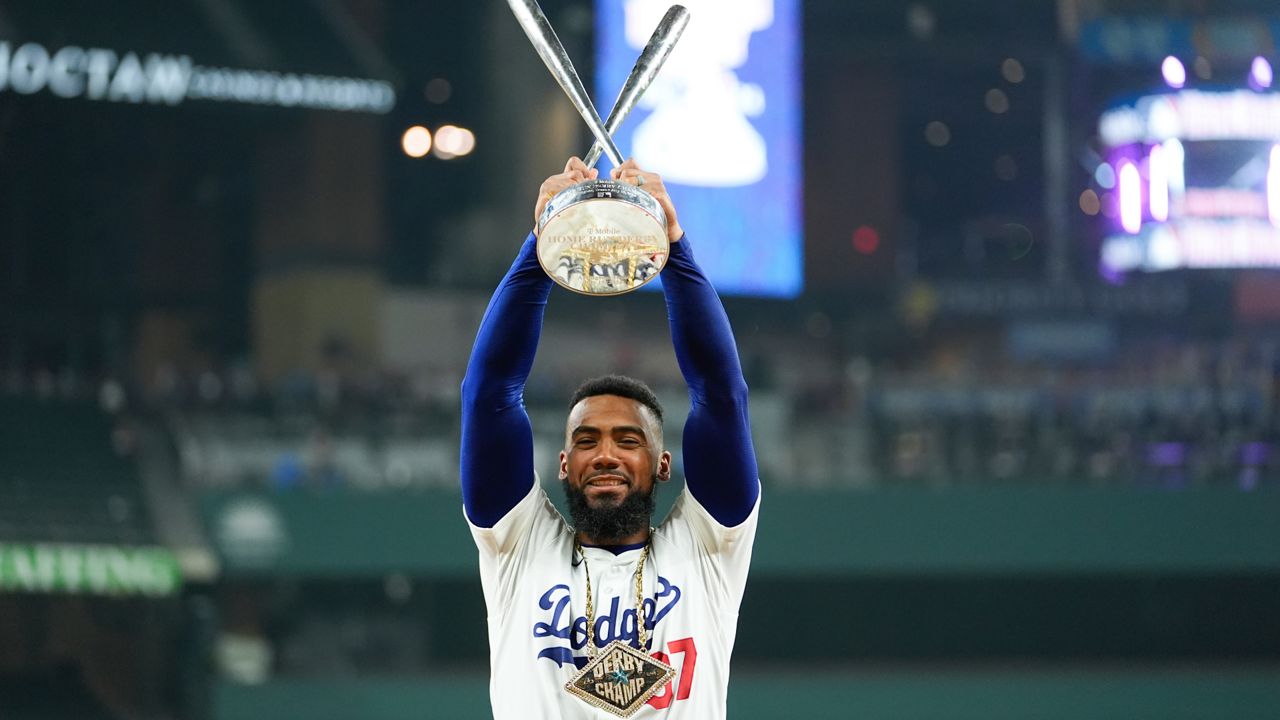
(67, 475)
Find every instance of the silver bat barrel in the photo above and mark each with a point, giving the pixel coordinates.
(540, 33)
(661, 43)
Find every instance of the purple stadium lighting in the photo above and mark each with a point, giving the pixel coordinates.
(1105, 176)
(1176, 160)
(1260, 74)
(1158, 177)
(1174, 72)
(1130, 198)
(1273, 186)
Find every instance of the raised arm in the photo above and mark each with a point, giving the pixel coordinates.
(497, 439)
(719, 459)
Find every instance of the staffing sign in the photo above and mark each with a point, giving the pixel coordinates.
(88, 570)
(721, 124)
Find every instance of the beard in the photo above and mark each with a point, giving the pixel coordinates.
(607, 522)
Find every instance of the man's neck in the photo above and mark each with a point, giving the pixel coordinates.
(628, 542)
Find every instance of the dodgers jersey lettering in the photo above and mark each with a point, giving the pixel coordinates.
(535, 590)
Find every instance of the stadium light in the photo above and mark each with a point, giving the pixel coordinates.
(1260, 73)
(1273, 186)
(1130, 198)
(416, 141)
(1158, 179)
(1174, 72)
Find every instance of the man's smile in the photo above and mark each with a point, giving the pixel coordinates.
(606, 486)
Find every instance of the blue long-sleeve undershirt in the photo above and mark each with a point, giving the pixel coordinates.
(497, 439)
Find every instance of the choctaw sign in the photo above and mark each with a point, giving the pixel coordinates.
(101, 74)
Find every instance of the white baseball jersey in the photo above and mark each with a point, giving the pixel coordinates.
(536, 597)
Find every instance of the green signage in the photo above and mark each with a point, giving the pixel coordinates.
(89, 570)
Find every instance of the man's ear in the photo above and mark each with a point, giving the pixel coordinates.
(664, 466)
(564, 466)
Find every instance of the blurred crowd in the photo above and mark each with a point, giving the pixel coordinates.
(1158, 412)
(1172, 414)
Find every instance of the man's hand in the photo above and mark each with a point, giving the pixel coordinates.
(651, 183)
(575, 171)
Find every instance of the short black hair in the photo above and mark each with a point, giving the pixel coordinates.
(622, 386)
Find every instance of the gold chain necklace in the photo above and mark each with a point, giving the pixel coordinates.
(619, 678)
(591, 614)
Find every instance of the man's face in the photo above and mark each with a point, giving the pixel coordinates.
(613, 454)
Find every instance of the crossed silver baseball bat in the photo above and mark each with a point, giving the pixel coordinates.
(553, 54)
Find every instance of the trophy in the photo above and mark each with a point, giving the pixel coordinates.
(602, 237)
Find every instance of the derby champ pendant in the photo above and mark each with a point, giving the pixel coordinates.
(620, 679)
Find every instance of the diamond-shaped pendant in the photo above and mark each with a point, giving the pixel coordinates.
(620, 679)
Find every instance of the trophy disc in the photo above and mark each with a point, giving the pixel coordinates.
(602, 237)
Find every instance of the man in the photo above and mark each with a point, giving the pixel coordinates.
(559, 598)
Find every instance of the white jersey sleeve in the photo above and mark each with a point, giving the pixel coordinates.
(723, 553)
(512, 543)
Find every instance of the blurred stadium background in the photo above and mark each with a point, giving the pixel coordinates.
(1016, 407)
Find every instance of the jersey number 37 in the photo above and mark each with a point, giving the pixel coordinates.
(685, 647)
